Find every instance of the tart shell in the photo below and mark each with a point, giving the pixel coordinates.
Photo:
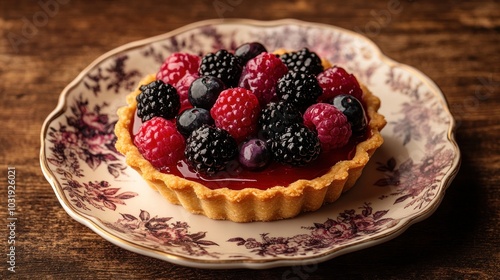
(251, 204)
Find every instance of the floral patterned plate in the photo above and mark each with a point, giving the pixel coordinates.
(403, 183)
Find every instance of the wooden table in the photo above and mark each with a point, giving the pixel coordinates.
(45, 44)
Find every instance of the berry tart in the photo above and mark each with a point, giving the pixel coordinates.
(249, 135)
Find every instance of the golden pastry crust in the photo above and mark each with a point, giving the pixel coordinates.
(251, 204)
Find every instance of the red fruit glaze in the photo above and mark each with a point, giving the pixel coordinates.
(261, 74)
(275, 174)
(335, 81)
(333, 128)
(176, 66)
(160, 143)
(236, 111)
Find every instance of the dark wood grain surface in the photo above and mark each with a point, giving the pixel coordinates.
(454, 42)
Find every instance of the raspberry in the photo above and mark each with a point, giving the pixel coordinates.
(330, 123)
(297, 146)
(182, 87)
(176, 66)
(160, 143)
(299, 88)
(210, 149)
(223, 65)
(157, 99)
(335, 81)
(236, 111)
(303, 61)
(276, 117)
(261, 74)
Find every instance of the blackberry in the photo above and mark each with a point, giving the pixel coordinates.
(210, 149)
(276, 117)
(299, 88)
(303, 60)
(157, 99)
(223, 65)
(297, 146)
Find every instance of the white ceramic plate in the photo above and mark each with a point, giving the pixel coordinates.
(403, 183)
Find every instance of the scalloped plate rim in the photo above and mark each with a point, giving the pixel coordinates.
(89, 221)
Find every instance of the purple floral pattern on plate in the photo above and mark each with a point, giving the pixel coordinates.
(98, 194)
(160, 232)
(406, 179)
(415, 180)
(116, 77)
(347, 226)
(87, 137)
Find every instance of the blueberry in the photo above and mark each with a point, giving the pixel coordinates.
(248, 51)
(191, 119)
(254, 154)
(353, 110)
(204, 91)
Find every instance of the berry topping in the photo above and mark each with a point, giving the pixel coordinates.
(299, 88)
(160, 143)
(236, 111)
(283, 107)
(183, 90)
(248, 51)
(261, 74)
(353, 110)
(335, 81)
(223, 65)
(210, 149)
(297, 146)
(157, 99)
(303, 60)
(254, 154)
(332, 126)
(276, 117)
(176, 66)
(204, 91)
(192, 119)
